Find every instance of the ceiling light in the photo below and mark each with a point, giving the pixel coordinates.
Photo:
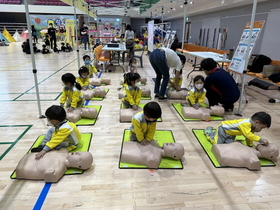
(181, 6)
(191, 2)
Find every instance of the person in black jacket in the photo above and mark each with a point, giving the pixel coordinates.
(51, 32)
(34, 34)
(219, 84)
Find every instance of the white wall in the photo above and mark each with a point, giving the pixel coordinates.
(271, 44)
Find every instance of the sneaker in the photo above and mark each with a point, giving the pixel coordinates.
(156, 96)
(37, 149)
(162, 99)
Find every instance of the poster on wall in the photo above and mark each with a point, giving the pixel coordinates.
(238, 60)
(108, 28)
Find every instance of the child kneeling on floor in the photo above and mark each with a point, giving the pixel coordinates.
(227, 130)
(133, 91)
(71, 93)
(63, 134)
(196, 95)
(144, 123)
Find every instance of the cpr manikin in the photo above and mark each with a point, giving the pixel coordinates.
(53, 165)
(202, 113)
(150, 155)
(238, 155)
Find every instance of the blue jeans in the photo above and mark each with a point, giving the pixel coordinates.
(85, 40)
(158, 62)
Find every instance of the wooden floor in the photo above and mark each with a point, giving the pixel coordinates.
(198, 186)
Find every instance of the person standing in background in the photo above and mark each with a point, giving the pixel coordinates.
(129, 38)
(34, 34)
(84, 30)
(51, 32)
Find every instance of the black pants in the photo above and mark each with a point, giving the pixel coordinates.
(215, 98)
(53, 41)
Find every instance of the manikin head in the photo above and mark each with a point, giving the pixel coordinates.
(173, 150)
(81, 160)
(270, 152)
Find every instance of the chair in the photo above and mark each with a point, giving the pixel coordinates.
(99, 57)
(140, 57)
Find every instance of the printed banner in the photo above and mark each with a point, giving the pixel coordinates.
(41, 22)
(70, 31)
(83, 6)
(238, 61)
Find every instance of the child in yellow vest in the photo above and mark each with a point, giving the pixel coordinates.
(83, 78)
(91, 68)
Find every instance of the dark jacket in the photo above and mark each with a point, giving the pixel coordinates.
(222, 82)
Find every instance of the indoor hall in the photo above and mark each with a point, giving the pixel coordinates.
(199, 185)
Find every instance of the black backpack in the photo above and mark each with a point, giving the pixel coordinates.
(256, 65)
(274, 77)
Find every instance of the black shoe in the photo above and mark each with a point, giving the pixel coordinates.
(162, 99)
(156, 96)
(228, 107)
(37, 149)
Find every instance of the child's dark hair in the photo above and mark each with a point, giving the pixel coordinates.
(131, 60)
(44, 46)
(56, 112)
(82, 70)
(131, 77)
(62, 43)
(263, 118)
(208, 64)
(152, 110)
(86, 56)
(198, 77)
(182, 58)
(68, 77)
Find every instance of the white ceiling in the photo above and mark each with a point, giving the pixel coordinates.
(173, 8)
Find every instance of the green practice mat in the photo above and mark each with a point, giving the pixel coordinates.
(83, 145)
(161, 136)
(142, 106)
(87, 121)
(100, 99)
(178, 108)
(146, 98)
(206, 145)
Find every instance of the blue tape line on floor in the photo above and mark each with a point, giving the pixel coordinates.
(86, 102)
(42, 196)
